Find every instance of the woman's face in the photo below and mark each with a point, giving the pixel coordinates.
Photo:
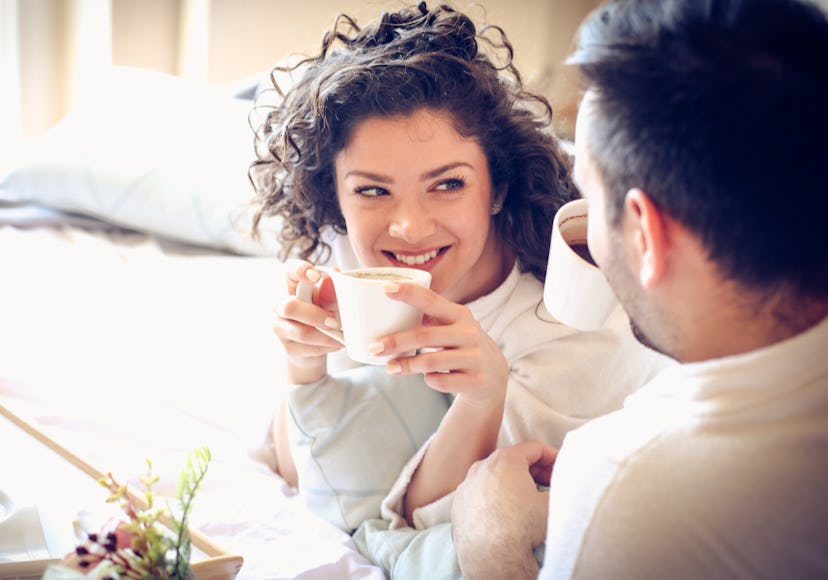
(415, 193)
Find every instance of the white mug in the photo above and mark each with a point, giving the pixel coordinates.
(366, 313)
(576, 292)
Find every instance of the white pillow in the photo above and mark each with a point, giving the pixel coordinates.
(150, 152)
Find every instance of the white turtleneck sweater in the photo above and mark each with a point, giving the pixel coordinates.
(716, 469)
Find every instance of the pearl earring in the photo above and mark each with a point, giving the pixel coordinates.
(495, 208)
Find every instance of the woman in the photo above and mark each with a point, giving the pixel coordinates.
(404, 144)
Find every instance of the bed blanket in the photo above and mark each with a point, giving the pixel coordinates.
(123, 347)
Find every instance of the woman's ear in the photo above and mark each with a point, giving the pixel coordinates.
(497, 199)
(648, 226)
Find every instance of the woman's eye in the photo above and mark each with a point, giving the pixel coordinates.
(450, 184)
(370, 191)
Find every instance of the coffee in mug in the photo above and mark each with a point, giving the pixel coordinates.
(582, 249)
(378, 275)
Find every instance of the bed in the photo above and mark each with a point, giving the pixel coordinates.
(136, 311)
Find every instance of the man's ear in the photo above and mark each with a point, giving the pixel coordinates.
(649, 236)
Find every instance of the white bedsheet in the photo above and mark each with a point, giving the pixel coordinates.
(125, 348)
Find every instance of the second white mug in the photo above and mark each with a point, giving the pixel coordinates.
(575, 292)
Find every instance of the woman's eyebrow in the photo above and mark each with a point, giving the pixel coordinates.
(370, 175)
(431, 174)
(443, 168)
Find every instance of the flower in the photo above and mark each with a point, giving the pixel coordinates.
(151, 542)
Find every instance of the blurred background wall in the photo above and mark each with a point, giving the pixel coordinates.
(52, 50)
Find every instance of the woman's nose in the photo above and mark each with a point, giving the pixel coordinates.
(411, 223)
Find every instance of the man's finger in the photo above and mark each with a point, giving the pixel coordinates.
(536, 454)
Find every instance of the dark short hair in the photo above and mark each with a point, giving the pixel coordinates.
(718, 109)
(409, 60)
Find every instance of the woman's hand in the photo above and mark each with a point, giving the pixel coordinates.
(298, 324)
(465, 360)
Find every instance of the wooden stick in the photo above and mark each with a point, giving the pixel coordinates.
(198, 539)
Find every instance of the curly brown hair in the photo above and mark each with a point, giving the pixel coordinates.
(408, 60)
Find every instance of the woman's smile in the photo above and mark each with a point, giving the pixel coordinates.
(423, 259)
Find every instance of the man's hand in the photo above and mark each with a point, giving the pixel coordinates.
(499, 515)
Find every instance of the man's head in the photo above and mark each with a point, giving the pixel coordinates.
(714, 113)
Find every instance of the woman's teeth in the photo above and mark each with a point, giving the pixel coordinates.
(416, 260)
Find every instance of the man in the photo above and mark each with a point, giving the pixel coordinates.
(701, 147)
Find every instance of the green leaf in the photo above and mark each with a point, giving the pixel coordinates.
(188, 484)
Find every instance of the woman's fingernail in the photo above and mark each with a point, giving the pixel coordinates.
(391, 287)
(393, 368)
(312, 275)
(331, 322)
(375, 348)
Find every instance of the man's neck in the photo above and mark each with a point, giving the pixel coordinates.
(744, 322)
